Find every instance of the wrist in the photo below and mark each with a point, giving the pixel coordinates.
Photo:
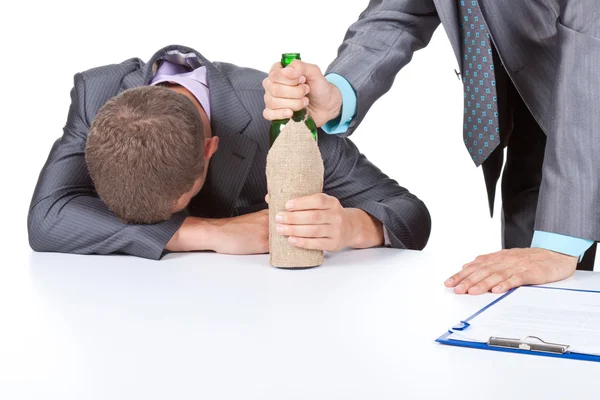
(335, 104)
(563, 244)
(365, 230)
(564, 255)
(193, 235)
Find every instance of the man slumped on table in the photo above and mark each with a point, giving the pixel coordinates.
(131, 172)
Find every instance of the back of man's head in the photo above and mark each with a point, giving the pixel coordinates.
(145, 149)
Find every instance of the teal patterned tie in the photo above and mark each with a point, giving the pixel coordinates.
(481, 132)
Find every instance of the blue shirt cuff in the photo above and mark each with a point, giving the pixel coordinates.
(349, 102)
(563, 244)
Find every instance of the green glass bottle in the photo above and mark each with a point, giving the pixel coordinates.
(300, 115)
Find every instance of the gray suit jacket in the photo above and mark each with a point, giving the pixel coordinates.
(551, 51)
(66, 215)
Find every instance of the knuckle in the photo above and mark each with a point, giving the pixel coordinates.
(302, 90)
(338, 219)
(486, 270)
(501, 275)
(322, 200)
(267, 99)
(275, 91)
(314, 231)
(315, 216)
(516, 280)
(467, 280)
(466, 271)
(315, 67)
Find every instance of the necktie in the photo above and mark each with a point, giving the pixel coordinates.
(481, 132)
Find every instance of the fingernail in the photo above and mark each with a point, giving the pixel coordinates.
(307, 89)
(289, 205)
(460, 288)
(302, 79)
(497, 289)
(289, 68)
(449, 281)
(475, 289)
(280, 228)
(287, 113)
(279, 218)
(305, 102)
(292, 239)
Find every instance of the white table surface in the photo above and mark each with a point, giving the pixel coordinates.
(208, 326)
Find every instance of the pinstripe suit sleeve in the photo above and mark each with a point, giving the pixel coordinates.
(379, 44)
(67, 216)
(357, 183)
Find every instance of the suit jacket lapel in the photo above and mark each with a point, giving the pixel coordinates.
(448, 12)
(230, 164)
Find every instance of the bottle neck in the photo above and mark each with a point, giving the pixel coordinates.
(287, 58)
(300, 115)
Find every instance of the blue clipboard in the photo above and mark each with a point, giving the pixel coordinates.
(464, 325)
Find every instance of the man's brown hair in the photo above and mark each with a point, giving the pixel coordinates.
(145, 149)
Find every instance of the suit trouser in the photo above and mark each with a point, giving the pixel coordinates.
(522, 175)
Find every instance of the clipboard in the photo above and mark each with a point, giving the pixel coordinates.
(529, 345)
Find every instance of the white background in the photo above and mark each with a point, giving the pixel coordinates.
(414, 133)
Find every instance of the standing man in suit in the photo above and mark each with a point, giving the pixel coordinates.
(170, 155)
(531, 85)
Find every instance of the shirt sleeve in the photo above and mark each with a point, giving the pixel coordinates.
(387, 242)
(563, 244)
(349, 103)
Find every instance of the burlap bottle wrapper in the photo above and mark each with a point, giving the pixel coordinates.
(294, 169)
